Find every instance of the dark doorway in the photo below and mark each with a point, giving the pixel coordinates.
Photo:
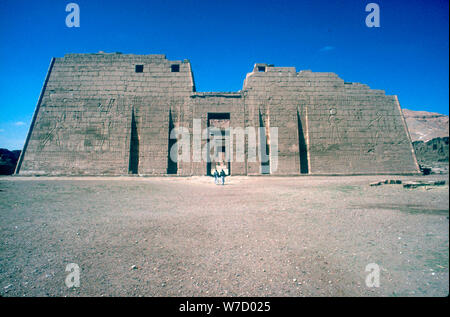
(172, 166)
(302, 148)
(133, 166)
(219, 121)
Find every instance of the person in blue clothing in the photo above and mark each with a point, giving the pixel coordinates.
(222, 176)
(216, 177)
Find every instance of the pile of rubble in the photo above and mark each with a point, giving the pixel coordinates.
(410, 184)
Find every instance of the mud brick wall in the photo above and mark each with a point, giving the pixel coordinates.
(99, 114)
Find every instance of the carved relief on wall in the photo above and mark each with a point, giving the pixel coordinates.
(97, 136)
(105, 144)
(54, 134)
(106, 107)
(374, 130)
(335, 133)
(378, 121)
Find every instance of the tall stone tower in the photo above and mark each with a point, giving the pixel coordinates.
(112, 114)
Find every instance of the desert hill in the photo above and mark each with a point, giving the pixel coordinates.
(424, 126)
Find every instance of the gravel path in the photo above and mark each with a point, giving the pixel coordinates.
(255, 236)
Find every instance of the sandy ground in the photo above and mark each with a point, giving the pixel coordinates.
(255, 236)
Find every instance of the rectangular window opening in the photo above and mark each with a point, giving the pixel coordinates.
(261, 68)
(175, 68)
(139, 68)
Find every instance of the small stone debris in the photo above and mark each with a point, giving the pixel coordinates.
(386, 181)
(415, 184)
(134, 267)
(409, 184)
(425, 170)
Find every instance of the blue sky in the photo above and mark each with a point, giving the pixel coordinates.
(407, 56)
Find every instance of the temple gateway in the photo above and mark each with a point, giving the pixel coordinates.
(114, 114)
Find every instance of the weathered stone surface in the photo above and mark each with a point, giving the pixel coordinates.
(96, 115)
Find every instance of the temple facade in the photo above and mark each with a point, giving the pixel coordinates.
(120, 114)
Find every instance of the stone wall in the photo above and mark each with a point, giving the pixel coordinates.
(348, 128)
(83, 119)
(111, 114)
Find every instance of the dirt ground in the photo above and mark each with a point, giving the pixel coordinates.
(255, 236)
